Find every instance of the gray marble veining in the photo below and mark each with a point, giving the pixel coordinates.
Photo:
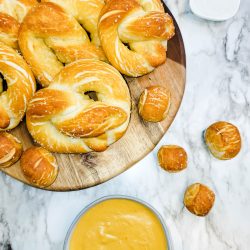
(218, 88)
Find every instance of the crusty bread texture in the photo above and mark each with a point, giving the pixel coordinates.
(66, 118)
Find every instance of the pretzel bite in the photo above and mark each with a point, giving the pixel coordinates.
(223, 140)
(39, 167)
(10, 149)
(154, 104)
(199, 199)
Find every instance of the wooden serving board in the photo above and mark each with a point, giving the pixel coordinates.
(85, 170)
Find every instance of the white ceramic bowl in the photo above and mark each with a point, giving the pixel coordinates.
(215, 10)
(67, 239)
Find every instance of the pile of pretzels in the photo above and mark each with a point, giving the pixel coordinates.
(76, 50)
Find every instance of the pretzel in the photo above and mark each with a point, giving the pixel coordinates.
(11, 15)
(64, 119)
(134, 35)
(39, 167)
(86, 12)
(49, 38)
(20, 87)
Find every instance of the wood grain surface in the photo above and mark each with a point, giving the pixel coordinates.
(86, 170)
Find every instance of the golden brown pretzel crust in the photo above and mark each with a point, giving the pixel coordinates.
(39, 166)
(85, 12)
(154, 103)
(199, 199)
(21, 87)
(223, 140)
(49, 38)
(140, 24)
(11, 15)
(10, 149)
(172, 158)
(63, 119)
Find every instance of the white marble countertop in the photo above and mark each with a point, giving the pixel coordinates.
(218, 88)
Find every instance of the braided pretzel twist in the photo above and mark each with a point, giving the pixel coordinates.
(21, 87)
(86, 12)
(134, 34)
(11, 15)
(64, 119)
(49, 37)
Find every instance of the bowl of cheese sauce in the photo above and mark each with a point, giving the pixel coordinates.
(118, 223)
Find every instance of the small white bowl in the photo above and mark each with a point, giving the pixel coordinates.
(110, 197)
(215, 10)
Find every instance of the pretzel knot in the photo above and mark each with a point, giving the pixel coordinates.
(18, 90)
(11, 15)
(85, 108)
(134, 34)
(86, 12)
(50, 37)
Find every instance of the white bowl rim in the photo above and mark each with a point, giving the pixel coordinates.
(110, 197)
(215, 19)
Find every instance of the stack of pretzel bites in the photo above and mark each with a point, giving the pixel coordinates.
(76, 50)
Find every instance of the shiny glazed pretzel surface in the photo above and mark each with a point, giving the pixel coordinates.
(12, 13)
(134, 34)
(19, 90)
(86, 12)
(64, 119)
(50, 37)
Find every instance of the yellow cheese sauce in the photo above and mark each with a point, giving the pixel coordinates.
(118, 224)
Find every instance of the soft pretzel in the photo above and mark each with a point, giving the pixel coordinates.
(39, 166)
(10, 149)
(11, 15)
(134, 34)
(49, 38)
(154, 103)
(85, 12)
(63, 118)
(20, 87)
(172, 158)
(223, 140)
(199, 199)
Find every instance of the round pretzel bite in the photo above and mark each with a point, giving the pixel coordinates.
(16, 87)
(10, 149)
(85, 108)
(134, 35)
(199, 199)
(39, 167)
(11, 15)
(51, 36)
(172, 158)
(223, 140)
(154, 104)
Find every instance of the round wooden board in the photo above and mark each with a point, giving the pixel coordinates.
(85, 170)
